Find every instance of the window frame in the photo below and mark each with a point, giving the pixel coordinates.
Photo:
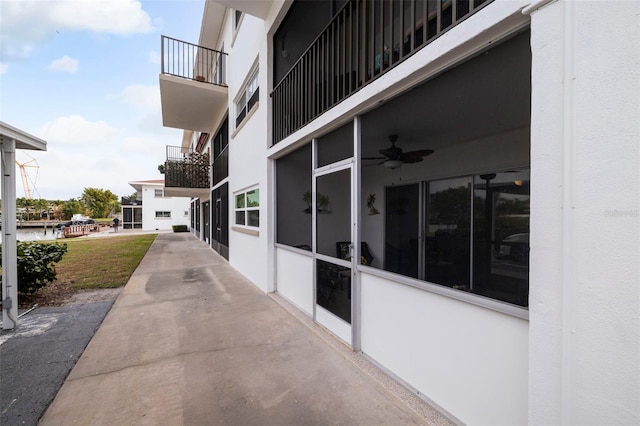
(155, 193)
(247, 97)
(245, 210)
(161, 216)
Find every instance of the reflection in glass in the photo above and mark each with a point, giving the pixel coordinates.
(254, 217)
(447, 253)
(333, 289)
(240, 201)
(253, 198)
(501, 236)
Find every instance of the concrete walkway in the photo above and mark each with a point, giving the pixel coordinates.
(190, 341)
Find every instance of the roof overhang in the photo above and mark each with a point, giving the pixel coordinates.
(23, 139)
(186, 192)
(211, 26)
(258, 8)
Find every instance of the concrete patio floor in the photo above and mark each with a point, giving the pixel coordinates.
(191, 341)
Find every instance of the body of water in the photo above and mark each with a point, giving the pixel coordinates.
(35, 234)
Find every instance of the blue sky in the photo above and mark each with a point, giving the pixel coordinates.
(83, 76)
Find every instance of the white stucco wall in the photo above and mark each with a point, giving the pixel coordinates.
(585, 291)
(294, 279)
(150, 204)
(247, 151)
(469, 360)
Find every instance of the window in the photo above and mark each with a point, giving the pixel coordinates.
(248, 208)
(237, 17)
(468, 233)
(163, 215)
(158, 193)
(293, 192)
(248, 98)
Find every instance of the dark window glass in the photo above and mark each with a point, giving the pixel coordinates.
(254, 217)
(402, 229)
(333, 210)
(469, 233)
(336, 146)
(447, 251)
(333, 289)
(220, 197)
(240, 218)
(501, 236)
(293, 198)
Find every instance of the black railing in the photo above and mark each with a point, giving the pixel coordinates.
(186, 168)
(364, 40)
(194, 62)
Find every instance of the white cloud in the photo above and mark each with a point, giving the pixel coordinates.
(27, 23)
(146, 98)
(3, 67)
(154, 58)
(65, 64)
(142, 144)
(76, 130)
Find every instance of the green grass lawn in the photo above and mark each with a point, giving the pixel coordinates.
(102, 262)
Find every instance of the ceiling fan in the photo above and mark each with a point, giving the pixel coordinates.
(394, 157)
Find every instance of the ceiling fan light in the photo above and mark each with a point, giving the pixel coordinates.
(392, 164)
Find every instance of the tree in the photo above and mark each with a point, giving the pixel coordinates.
(72, 207)
(100, 202)
(26, 204)
(41, 205)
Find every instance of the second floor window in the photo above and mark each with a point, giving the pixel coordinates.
(158, 193)
(247, 98)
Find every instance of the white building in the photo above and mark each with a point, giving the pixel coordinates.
(153, 209)
(449, 187)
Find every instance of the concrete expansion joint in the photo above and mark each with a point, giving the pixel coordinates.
(185, 354)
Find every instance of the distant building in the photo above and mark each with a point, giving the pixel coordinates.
(152, 210)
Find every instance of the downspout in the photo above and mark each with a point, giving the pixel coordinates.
(567, 210)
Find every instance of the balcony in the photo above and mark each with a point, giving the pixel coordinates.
(186, 173)
(363, 41)
(193, 86)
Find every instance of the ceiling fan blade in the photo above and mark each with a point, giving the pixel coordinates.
(419, 153)
(374, 158)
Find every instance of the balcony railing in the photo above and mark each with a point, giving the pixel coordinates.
(194, 62)
(186, 168)
(363, 41)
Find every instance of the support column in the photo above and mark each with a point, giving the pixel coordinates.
(9, 247)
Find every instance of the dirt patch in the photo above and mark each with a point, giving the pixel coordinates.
(60, 293)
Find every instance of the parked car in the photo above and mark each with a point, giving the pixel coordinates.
(515, 247)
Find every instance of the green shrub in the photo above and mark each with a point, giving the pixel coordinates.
(180, 228)
(36, 264)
